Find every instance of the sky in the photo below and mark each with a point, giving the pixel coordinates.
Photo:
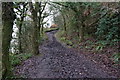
(49, 19)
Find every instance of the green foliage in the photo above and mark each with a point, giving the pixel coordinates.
(102, 42)
(69, 42)
(89, 42)
(87, 47)
(116, 58)
(99, 48)
(62, 38)
(18, 58)
(108, 28)
(102, 24)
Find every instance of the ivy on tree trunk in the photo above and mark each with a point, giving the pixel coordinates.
(8, 18)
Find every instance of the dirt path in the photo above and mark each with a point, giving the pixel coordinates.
(58, 61)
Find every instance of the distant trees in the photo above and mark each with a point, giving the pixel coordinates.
(79, 12)
(96, 19)
(82, 21)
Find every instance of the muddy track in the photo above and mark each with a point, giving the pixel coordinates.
(58, 61)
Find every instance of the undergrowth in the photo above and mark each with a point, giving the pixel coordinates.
(16, 59)
(94, 46)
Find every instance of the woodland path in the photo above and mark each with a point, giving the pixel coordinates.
(58, 61)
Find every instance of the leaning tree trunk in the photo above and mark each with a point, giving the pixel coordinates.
(7, 21)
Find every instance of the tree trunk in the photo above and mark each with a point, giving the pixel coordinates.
(20, 27)
(77, 25)
(36, 30)
(81, 27)
(42, 29)
(39, 17)
(20, 33)
(64, 22)
(7, 21)
(82, 32)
